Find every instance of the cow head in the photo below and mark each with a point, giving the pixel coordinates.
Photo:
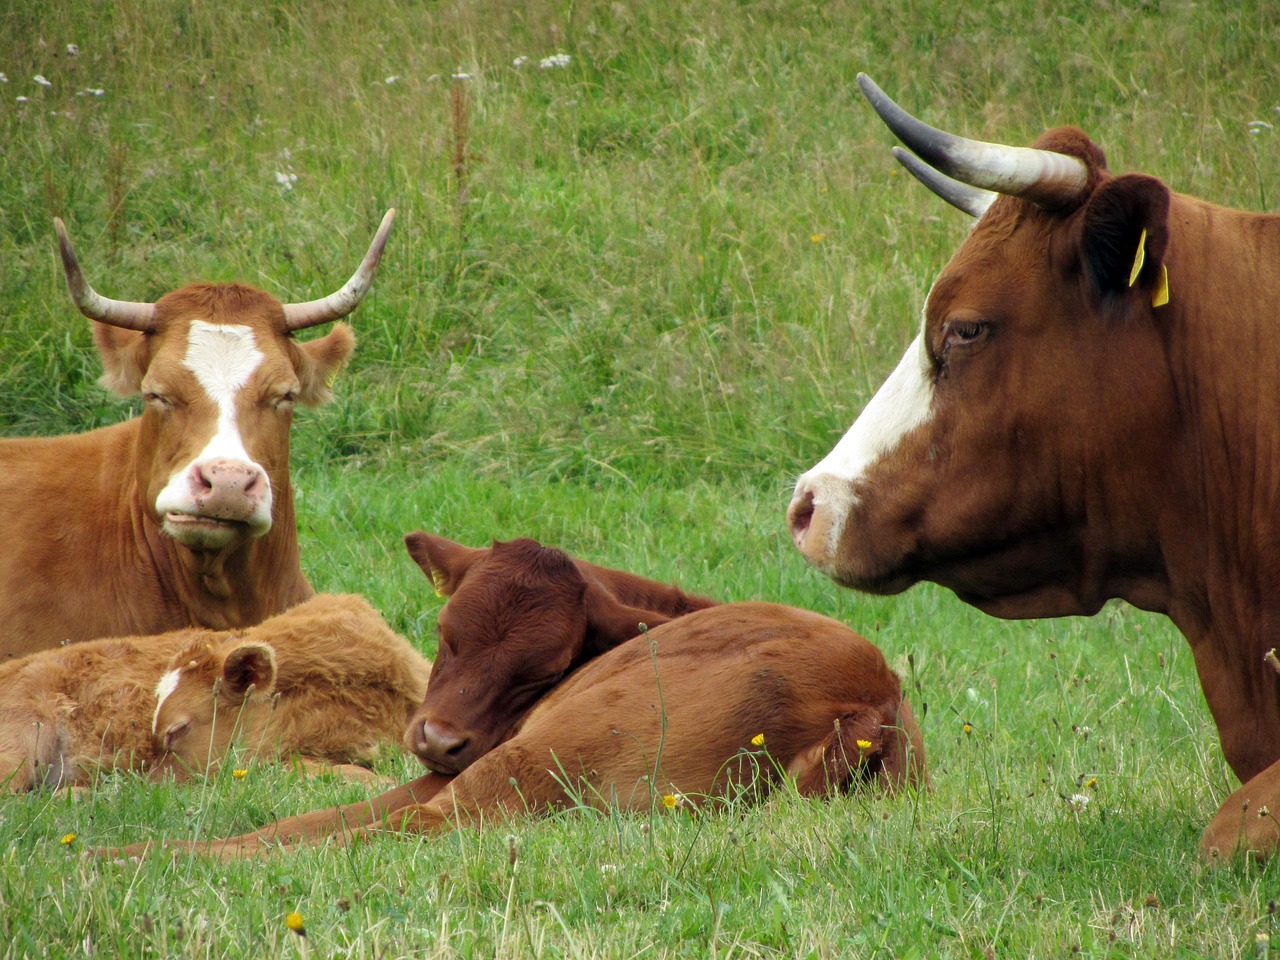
(1004, 456)
(220, 373)
(520, 617)
(214, 691)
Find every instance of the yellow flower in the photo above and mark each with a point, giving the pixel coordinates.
(817, 237)
(68, 839)
(240, 774)
(968, 729)
(294, 922)
(758, 740)
(670, 800)
(864, 745)
(1091, 782)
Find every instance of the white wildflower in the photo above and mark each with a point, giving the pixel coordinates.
(462, 76)
(286, 180)
(3, 78)
(1077, 802)
(391, 79)
(517, 62)
(555, 60)
(73, 49)
(1257, 126)
(22, 99)
(91, 91)
(40, 79)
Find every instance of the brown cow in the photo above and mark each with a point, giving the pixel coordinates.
(1086, 414)
(328, 681)
(182, 516)
(726, 699)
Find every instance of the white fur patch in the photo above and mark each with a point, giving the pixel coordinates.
(902, 403)
(223, 357)
(164, 687)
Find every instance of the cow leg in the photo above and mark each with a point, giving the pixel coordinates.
(340, 823)
(1246, 823)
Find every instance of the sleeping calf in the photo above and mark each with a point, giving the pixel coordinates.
(327, 680)
(696, 707)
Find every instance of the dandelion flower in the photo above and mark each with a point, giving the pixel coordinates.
(1091, 782)
(240, 774)
(968, 729)
(553, 61)
(68, 839)
(758, 740)
(673, 801)
(294, 922)
(817, 237)
(40, 79)
(864, 745)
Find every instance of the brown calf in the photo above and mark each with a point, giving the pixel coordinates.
(327, 680)
(725, 699)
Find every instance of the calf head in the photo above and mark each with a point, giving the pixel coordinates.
(520, 617)
(212, 694)
(220, 374)
(1007, 455)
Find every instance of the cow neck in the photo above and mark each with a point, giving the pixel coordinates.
(240, 586)
(1221, 528)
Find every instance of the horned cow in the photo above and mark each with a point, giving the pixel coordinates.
(327, 681)
(183, 516)
(1086, 413)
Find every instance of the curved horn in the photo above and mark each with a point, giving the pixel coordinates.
(1044, 178)
(118, 313)
(963, 197)
(298, 316)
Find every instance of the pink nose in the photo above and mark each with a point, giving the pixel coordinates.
(439, 746)
(800, 513)
(228, 489)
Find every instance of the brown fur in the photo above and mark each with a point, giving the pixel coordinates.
(671, 712)
(1090, 445)
(85, 555)
(341, 684)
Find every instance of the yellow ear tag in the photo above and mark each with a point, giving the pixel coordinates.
(437, 581)
(1160, 295)
(1139, 259)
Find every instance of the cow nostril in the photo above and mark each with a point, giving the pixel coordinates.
(458, 747)
(800, 514)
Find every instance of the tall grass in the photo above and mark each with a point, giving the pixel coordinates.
(626, 301)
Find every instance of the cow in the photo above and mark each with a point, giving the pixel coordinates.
(182, 516)
(724, 701)
(327, 681)
(1085, 414)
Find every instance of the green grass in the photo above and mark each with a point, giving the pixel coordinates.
(678, 268)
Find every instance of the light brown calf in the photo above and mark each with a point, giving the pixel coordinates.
(676, 711)
(328, 681)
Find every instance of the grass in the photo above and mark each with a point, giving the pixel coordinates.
(621, 313)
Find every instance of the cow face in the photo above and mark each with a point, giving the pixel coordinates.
(220, 374)
(998, 456)
(211, 695)
(520, 616)
(220, 379)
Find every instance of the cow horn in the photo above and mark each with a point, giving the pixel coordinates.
(118, 313)
(298, 316)
(970, 200)
(1045, 178)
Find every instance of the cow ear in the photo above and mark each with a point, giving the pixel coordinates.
(248, 665)
(1125, 229)
(125, 357)
(320, 360)
(444, 562)
(611, 622)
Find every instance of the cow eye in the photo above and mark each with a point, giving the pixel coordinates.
(157, 401)
(960, 332)
(174, 732)
(286, 400)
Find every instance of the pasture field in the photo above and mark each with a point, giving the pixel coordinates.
(632, 291)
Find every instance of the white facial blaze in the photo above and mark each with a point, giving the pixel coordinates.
(223, 358)
(903, 403)
(167, 684)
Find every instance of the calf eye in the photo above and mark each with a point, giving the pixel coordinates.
(174, 732)
(157, 401)
(286, 400)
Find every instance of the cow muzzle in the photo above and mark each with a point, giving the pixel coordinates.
(214, 502)
(441, 747)
(816, 517)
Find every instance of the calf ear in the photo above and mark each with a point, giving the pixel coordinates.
(1121, 265)
(611, 622)
(444, 562)
(320, 360)
(248, 665)
(125, 357)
